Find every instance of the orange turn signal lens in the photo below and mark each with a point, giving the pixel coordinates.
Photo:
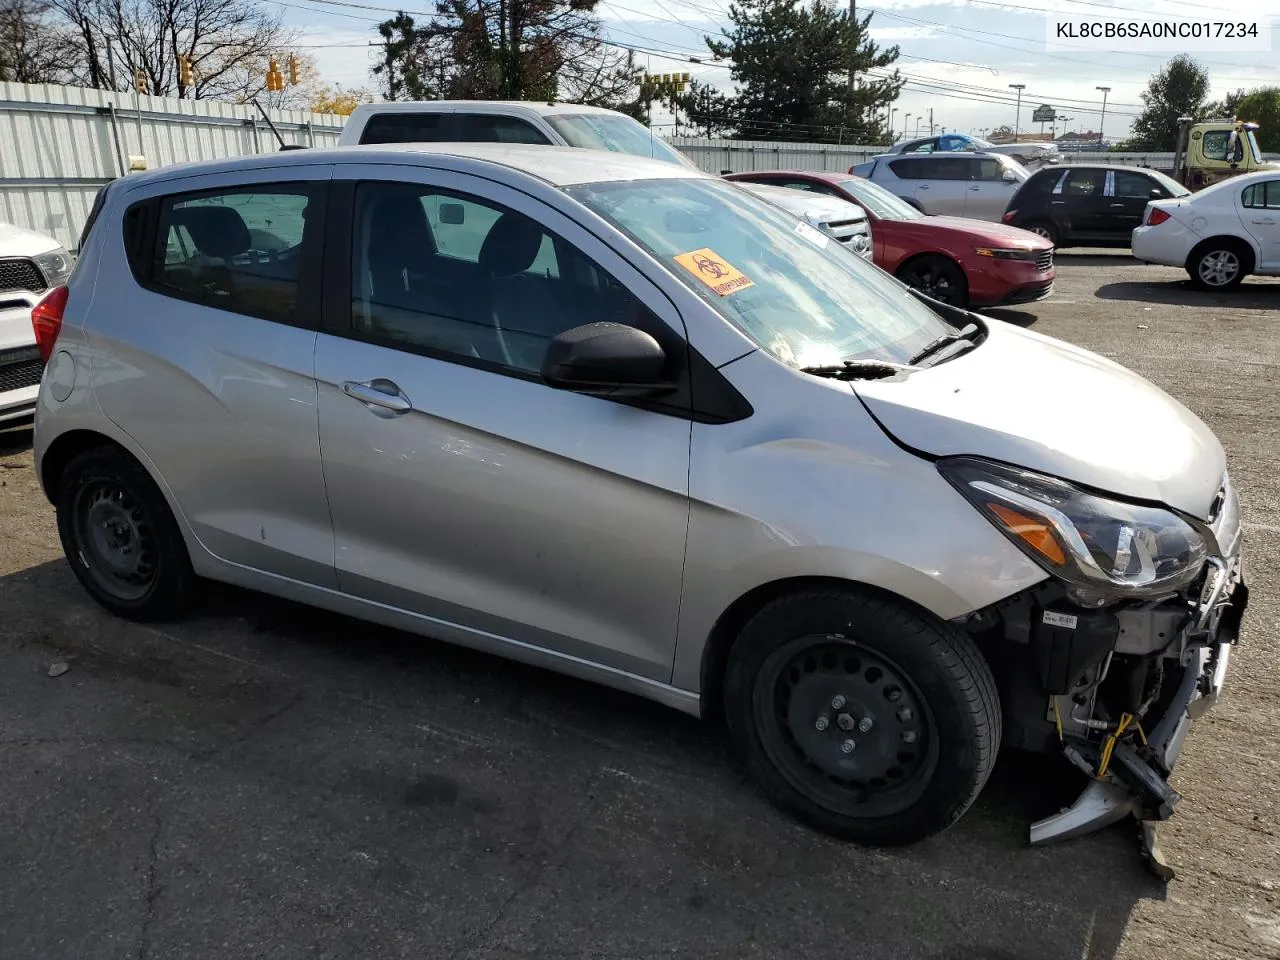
(1034, 533)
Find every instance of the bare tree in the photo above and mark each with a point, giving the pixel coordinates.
(34, 47)
(228, 43)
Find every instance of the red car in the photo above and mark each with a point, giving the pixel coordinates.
(958, 261)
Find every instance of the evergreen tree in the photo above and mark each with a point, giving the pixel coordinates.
(804, 72)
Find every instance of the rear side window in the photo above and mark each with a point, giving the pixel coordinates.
(1261, 196)
(1084, 183)
(490, 128)
(402, 128)
(916, 168)
(955, 168)
(239, 250)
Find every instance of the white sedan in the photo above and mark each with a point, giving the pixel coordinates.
(1219, 235)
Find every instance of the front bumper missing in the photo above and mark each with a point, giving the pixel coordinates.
(1136, 784)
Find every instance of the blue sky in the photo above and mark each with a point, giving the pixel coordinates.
(959, 57)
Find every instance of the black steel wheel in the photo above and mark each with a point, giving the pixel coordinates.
(863, 716)
(845, 723)
(120, 537)
(937, 277)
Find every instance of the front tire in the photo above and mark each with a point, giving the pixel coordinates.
(938, 278)
(816, 671)
(120, 537)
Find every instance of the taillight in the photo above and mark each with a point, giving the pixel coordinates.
(46, 320)
(1156, 217)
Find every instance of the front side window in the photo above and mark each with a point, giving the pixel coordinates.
(470, 280)
(616, 132)
(989, 170)
(1133, 186)
(806, 299)
(238, 250)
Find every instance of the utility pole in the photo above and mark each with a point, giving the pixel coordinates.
(1017, 117)
(1102, 121)
(931, 121)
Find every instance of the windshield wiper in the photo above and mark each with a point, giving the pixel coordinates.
(857, 370)
(966, 334)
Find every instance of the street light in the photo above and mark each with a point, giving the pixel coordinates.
(905, 121)
(1102, 121)
(1017, 117)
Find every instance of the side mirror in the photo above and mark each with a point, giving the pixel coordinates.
(606, 360)
(1157, 193)
(1009, 177)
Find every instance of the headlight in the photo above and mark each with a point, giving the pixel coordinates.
(55, 265)
(1101, 548)
(1001, 253)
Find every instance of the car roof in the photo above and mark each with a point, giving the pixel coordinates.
(1059, 167)
(540, 107)
(829, 176)
(556, 165)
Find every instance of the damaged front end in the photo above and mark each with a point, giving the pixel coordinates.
(1103, 675)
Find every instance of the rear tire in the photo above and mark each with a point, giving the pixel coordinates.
(120, 537)
(1219, 264)
(911, 693)
(937, 277)
(1043, 228)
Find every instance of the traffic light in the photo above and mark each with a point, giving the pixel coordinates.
(293, 70)
(140, 80)
(186, 75)
(275, 79)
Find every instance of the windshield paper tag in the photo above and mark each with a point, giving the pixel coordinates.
(711, 269)
(812, 234)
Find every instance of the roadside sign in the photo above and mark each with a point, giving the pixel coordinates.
(1044, 114)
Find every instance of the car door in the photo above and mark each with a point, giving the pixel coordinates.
(463, 489)
(212, 306)
(931, 183)
(1078, 204)
(987, 192)
(1260, 212)
(1127, 194)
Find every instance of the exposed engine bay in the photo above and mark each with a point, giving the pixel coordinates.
(1114, 688)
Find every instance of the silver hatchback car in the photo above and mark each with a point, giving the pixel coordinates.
(628, 421)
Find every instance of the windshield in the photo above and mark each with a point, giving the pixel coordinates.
(880, 201)
(621, 134)
(792, 289)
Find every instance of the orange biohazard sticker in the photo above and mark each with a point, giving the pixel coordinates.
(707, 266)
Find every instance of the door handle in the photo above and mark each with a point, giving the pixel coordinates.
(1117, 206)
(974, 186)
(924, 186)
(379, 392)
(1267, 221)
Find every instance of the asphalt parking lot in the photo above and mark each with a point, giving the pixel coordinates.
(263, 780)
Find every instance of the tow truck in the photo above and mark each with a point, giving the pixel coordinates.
(1213, 150)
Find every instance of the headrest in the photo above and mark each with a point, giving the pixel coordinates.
(216, 231)
(511, 246)
(398, 226)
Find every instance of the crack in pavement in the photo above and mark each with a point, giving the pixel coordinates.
(152, 892)
(253, 727)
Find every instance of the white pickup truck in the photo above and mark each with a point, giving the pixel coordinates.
(499, 121)
(30, 264)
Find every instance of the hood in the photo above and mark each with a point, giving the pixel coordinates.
(1042, 404)
(20, 242)
(986, 233)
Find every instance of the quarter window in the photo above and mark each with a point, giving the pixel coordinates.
(1261, 196)
(238, 250)
(469, 280)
